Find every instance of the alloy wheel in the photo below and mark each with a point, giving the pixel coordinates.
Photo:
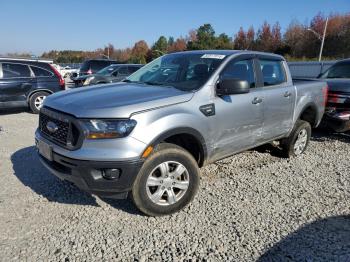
(167, 183)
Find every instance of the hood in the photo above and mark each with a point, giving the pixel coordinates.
(338, 85)
(118, 100)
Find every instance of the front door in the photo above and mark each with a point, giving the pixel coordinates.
(238, 118)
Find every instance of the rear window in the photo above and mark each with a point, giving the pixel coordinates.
(273, 72)
(10, 70)
(40, 72)
(95, 65)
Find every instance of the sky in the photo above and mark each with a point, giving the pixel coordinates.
(42, 25)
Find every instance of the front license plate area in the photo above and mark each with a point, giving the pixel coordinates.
(45, 150)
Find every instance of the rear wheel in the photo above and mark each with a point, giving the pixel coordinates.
(298, 140)
(36, 101)
(167, 181)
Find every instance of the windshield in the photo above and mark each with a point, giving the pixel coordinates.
(184, 71)
(340, 70)
(107, 70)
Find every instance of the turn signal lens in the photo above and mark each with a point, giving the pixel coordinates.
(147, 152)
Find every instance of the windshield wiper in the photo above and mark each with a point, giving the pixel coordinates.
(156, 84)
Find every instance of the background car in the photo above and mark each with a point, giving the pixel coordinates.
(337, 114)
(27, 83)
(89, 67)
(111, 74)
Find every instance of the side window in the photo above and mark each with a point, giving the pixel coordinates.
(243, 70)
(273, 72)
(133, 69)
(10, 70)
(39, 72)
(123, 71)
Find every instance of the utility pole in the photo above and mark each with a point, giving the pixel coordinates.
(321, 38)
(324, 36)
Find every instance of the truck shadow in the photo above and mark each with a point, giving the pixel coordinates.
(322, 135)
(29, 170)
(318, 135)
(323, 240)
(13, 111)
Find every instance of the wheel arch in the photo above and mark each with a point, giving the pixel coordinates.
(36, 91)
(310, 114)
(188, 138)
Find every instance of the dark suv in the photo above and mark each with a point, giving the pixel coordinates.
(27, 83)
(90, 67)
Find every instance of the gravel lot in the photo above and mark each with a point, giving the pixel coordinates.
(253, 206)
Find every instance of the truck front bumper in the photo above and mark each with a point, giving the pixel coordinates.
(91, 168)
(105, 179)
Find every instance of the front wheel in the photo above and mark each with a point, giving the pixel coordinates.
(167, 181)
(298, 140)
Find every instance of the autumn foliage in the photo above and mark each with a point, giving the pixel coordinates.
(296, 42)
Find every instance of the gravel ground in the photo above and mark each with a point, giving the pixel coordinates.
(253, 206)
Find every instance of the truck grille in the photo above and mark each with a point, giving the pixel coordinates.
(65, 131)
(61, 135)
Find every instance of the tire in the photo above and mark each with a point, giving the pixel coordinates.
(298, 140)
(36, 100)
(156, 178)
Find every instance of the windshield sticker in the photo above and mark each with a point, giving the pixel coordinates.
(213, 56)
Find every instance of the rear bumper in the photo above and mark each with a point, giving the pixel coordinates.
(336, 123)
(90, 176)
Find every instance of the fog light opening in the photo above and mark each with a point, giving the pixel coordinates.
(111, 174)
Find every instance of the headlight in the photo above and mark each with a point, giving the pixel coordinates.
(88, 80)
(99, 129)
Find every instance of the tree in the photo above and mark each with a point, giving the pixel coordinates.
(240, 42)
(264, 39)
(178, 45)
(250, 38)
(171, 40)
(223, 41)
(294, 39)
(139, 52)
(205, 38)
(159, 48)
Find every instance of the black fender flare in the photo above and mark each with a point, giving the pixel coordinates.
(183, 130)
(314, 107)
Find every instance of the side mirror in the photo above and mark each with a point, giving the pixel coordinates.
(232, 86)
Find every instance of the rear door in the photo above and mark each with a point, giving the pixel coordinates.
(279, 96)
(45, 79)
(16, 81)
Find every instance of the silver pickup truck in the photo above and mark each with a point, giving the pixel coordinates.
(149, 135)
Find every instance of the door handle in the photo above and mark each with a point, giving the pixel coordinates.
(257, 100)
(287, 94)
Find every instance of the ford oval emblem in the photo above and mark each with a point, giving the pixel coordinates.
(52, 127)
